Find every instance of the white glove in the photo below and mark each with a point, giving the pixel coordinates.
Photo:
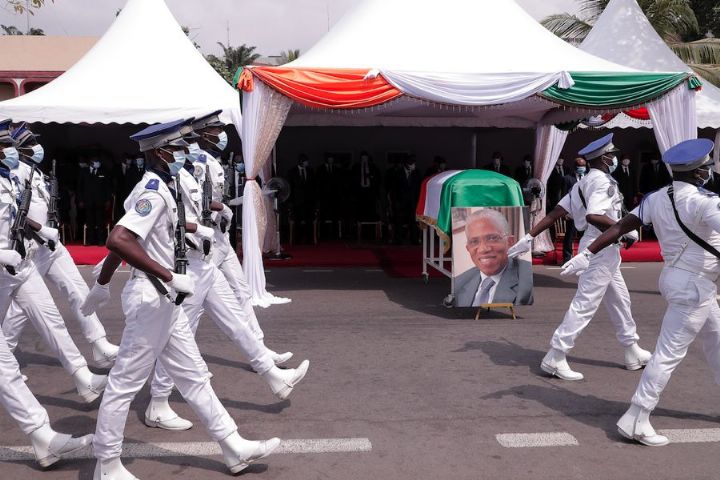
(182, 284)
(578, 264)
(49, 234)
(97, 268)
(227, 213)
(98, 296)
(10, 258)
(523, 245)
(235, 201)
(204, 232)
(630, 238)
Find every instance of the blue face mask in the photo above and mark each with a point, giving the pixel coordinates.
(178, 164)
(12, 157)
(194, 152)
(580, 170)
(38, 153)
(222, 142)
(240, 168)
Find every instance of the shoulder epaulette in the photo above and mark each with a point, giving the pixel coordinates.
(153, 184)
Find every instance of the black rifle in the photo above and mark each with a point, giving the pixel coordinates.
(53, 220)
(181, 260)
(17, 231)
(206, 215)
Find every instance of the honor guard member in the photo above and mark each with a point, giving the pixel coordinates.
(213, 296)
(686, 219)
(27, 290)
(156, 326)
(595, 205)
(49, 446)
(52, 259)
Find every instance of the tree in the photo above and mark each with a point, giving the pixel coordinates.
(708, 15)
(288, 56)
(20, 6)
(13, 30)
(236, 57)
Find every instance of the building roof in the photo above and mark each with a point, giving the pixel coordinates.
(36, 53)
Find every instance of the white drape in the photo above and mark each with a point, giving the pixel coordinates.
(475, 89)
(549, 142)
(673, 116)
(716, 151)
(264, 113)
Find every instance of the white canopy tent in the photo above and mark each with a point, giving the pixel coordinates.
(624, 35)
(452, 63)
(144, 69)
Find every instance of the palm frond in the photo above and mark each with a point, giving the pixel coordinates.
(567, 26)
(671, 19)
(698, 52)
(709, 73)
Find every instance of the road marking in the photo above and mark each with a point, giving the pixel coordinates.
(202, 449)
(626, 267)
(318, 270)
(374, 270)
(529, 440)
(692, 435)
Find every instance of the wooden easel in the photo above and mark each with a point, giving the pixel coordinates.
(488, 306)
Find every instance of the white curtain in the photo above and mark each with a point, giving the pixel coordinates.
(264, 113)
(716, 152)
(269, 243)
(549, 142)
(475, 89)
(674, 117)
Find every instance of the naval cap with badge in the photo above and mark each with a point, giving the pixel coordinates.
(5, 133)
(208, 121)
(22, 136)
(689, 155)
(598, 148)
(161, 135)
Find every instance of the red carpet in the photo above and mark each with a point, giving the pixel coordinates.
(396, 261)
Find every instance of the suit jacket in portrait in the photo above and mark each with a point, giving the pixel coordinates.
(515, 285)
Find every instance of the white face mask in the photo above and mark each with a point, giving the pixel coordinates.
(222, 141)
(527, 163)
(626, 161)
(194, 152)
(139, 161)
(38, 153)
(496, 162)
(96, 164)
(613, 165)
(12, 157)
(410, 167)
(179, 157)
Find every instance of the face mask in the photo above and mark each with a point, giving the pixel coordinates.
(305, 163)
(705, 180)
(527, 163)
(179, 157)
(496, 162)
(194, 152)
(410, 167)
(139, 162)
(128, 161)
(12, 157)
(222, 141)
(626, 161)
(580, 170)
(82, 165)
(240, 168)
(613, 165)
(560, 162)
(96, 164)
(38, 153)
(654, 161)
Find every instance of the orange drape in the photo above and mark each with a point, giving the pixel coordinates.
(326, 88)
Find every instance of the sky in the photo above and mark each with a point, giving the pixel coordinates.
(296, 24)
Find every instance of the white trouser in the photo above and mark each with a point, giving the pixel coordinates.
(32, 296)
(214, 296)
(692, 309)
(59, 269)
(15, 396)
(155, 328)
(226, 259)
(601, 279)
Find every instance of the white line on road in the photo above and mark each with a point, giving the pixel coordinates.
(692, 435)
(374, 270)
(525, 440)
(318, 270)
(203, 449)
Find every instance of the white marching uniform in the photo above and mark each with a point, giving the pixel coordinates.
(213, 296)
(27, 290)
(225, 256)
(602, 281)
(57, 267)
(687, 283)
(15, 396)
(155, 327)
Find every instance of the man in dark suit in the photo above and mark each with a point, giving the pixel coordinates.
(94, 192)
(555, 185)
(626, 178)
(329, 182)
(569, 180)
(365, 182)
(495, 278)
(439, 165)
(653, 175)
(524, 172)
(496, 164)
(403, 186)
(302, 197)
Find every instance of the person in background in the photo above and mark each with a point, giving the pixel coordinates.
(439, 165)
(365, 183)
(626, 177)
(329, 190)
(497, 165)
(569, 181)
(94, 192)
(653, 175)
(403, 185)
(302, 198)
(524, 172)
(555, 185)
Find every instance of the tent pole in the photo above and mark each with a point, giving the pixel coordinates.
(473, 147)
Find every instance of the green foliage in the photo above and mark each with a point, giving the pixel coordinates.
(288, 56)
(708, 15)
(232, 59)
(13, 30)
(20, 6)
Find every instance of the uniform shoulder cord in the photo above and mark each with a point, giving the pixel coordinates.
(706, 246)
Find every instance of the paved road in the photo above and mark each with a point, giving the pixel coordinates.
(429, 388)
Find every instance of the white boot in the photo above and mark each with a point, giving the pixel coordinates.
(160, 415)
(282, 381)
(104, 352)
(556, 364)
(280, 358)
(50, 446)
(239, 452)
(635, 425)
(636, 357)
(89, 386)
(112, 469)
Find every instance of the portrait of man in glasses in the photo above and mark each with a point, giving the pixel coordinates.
(495, 278)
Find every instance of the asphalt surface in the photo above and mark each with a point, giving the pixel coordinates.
(429, 387)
